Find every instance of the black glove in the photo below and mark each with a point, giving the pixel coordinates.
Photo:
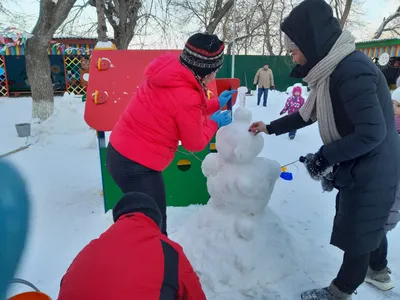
(327, 182)
(316, 165)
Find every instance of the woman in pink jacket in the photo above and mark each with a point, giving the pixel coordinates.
(170, 106)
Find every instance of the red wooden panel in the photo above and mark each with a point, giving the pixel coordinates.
(115, 75)
(115, 84)
(226, 84)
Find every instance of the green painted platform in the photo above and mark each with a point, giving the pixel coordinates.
(184, 181)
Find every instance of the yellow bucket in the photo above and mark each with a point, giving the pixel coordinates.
(36, 295)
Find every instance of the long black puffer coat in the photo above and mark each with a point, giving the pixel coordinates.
(367, 158)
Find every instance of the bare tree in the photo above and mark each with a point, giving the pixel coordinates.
(101, 19)
(249, 23)
(220, 10)
(51, 15)
(14, 16)
(208, 13)
(342, 10)
(389, 24)
(123, 16)
(267, 9)
(348, 12)
(79, 21)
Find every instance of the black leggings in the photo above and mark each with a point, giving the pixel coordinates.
(354, 268)
(131, 176)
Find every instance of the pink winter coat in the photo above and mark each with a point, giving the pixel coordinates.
(397, 120)
(294, 103)
(170, 106)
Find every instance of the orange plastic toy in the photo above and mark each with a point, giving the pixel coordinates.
(36, 295)
(30, 296)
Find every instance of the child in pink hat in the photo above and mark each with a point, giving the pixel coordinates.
(293, 104)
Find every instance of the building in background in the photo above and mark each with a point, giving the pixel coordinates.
(69, 62)
(386, 55)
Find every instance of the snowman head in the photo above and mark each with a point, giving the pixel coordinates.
(235, 143)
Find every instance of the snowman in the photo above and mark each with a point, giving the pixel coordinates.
(239, 181)
(233, 241)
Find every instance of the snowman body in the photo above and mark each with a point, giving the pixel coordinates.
(238, 181)
(230, 240)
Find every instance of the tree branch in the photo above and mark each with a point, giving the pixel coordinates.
(385, 22)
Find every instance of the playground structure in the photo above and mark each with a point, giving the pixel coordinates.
(386, 54)
(69, 61)
(114, 78)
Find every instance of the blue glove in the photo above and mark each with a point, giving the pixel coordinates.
(222, 118)
(14, 210)
(225, 97)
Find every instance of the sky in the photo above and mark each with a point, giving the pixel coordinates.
(372, 15)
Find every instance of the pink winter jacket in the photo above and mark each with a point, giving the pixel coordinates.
(294, 103)
(170, 106)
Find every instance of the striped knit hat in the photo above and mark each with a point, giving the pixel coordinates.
(203, 54)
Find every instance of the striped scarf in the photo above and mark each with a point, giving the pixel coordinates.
(319, 104)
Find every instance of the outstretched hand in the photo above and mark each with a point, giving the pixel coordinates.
(222, 118)
(225, 97)
(258, 127)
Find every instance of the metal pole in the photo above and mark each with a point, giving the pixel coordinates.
(234, 39)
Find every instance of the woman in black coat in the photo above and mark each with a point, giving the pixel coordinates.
(360, 157)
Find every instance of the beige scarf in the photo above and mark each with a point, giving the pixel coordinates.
(319, 104)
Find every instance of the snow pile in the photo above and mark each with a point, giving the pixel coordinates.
(66, 122)
(235, 245)
(104, 45)
(289, 241)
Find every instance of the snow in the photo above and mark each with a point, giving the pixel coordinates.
(116, 20)
(276, 254)
(240, 185)
(104, 45)
(55, 1)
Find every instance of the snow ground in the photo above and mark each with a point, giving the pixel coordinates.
(63, 174)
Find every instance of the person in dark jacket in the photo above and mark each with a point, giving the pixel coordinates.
(352, 103)
(132, 260)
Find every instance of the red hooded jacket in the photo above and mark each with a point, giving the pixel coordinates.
(170, 106)
(131, 260)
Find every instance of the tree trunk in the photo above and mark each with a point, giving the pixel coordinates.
(38, 71)
(346, 13)
(101, 21)
(219, 12)
(127, 14)
(51, 16)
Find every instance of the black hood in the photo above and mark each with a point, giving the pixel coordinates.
(313, 28)
(135, 202)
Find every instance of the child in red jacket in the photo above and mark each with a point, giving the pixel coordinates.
(170, 106)
(132, 260)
